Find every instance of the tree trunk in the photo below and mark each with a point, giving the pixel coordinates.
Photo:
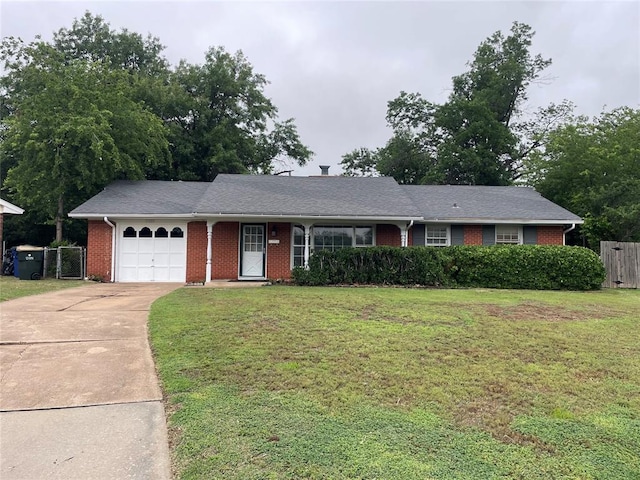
(59, 218)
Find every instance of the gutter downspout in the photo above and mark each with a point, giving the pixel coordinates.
(565, 231)
(113, 248)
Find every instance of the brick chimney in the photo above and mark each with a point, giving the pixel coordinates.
(324, 169)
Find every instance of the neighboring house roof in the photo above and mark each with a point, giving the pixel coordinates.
(145, 197)
(8, 207)
(321, 196)
(464, 202)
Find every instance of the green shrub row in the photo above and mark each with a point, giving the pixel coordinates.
(539, 267)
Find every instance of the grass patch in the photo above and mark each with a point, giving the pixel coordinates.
(293, 382)
(12, 287)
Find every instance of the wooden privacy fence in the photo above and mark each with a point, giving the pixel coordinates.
(622, 262)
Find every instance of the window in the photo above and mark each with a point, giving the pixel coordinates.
(145, 233)
(508, 234)
(436, 235)
(364, 236)
(161, 233)
(335, 237)
(298, 246)
(177, 233)
(129, 232)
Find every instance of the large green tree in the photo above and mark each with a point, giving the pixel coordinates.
(477, 137)
(592, 167)
(74, 126)
(95, 104)
(221, 121)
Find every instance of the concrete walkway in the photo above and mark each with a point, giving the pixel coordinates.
(79, 396)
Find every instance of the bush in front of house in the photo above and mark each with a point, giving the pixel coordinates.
(538, 267)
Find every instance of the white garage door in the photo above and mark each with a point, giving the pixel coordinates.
(152, 252)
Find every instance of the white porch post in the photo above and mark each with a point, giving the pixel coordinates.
(210, 225)
(307, 235)
(403, 235)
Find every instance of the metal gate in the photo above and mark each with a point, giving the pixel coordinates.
(65, 263)
(622, 263)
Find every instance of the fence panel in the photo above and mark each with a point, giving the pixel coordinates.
(622, 263)
(65, 263)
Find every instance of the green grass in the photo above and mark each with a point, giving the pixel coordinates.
(11, 287)
(293, 382)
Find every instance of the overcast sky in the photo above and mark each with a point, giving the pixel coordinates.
(333, 66)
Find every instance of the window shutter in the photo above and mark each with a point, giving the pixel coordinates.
(457, 235)
(529, 235)
(418, 234)
(488, 235)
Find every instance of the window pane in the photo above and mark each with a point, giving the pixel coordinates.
(145, 233)
(177, 233)
(162, 233)
(364, 236)
(436, 235)
(129, 232)
(507, 234)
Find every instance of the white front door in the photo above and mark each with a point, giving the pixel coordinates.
(151, 252)
(252, 261)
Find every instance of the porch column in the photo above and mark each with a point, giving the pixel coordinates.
(307, 235)
(403, 235)
(210, 225)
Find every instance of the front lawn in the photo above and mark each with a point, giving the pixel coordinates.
(12, 287)
(390, 383)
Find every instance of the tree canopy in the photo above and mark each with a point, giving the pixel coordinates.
(475, 137)
(592, 167)
(95, 104)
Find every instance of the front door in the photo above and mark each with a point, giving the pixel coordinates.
(252, 261)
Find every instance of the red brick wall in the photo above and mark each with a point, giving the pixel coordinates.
(99, 250)
(279, 255)
(224, 262)
(387, 234)
(473, 234)
(196, 251)
(550, 235)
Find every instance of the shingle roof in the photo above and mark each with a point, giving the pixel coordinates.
(265, 195)
(436, 202)
(306, 196)
(126, 197)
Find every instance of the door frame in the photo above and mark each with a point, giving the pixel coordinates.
(241, 251)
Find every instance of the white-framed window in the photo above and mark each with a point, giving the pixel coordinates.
(508, 234)
(298, 246)
(335, 237)
(437, 235)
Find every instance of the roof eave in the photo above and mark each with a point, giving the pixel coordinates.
(491, 221)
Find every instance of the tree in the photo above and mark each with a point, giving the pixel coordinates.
(96, 104)
(592, 167)
(73, 126)
(474, 137)
(222, 122)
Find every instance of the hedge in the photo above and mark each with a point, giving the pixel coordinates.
(538, 267)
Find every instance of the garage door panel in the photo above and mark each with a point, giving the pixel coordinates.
(159, 258)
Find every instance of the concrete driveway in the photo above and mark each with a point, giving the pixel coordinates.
(79, 396)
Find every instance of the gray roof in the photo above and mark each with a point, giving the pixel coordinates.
(306, 196)
(126, 197)
(324, 196)
(450, 202)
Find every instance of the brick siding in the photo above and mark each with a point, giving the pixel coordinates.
(224, 262)
(196, 252)
(473, 234)
(550, 235)
(388, 235)
(279, 255)
(99, 250)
